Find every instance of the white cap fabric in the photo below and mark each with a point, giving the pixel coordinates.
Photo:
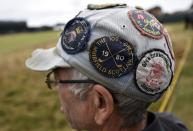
(124, 49)
(45, 59)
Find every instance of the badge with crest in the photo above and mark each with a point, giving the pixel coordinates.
(146, 23)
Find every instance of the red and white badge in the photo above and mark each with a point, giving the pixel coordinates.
(153, 73)
(146, 23)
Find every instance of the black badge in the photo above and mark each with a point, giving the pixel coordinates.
(75, 35)
(112, 56)
(146, 23)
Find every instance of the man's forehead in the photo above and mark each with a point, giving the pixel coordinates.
(70, 72)
(64, 70)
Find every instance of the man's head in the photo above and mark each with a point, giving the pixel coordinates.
(82, 96)
(121, 58)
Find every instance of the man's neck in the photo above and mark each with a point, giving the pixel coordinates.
(115, 122)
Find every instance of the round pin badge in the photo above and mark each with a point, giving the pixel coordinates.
(146, 23)
(112, 56)
(75, 35)
(154, 73)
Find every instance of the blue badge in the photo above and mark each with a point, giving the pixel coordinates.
(146, 23)
(75, 35)
(112, 56)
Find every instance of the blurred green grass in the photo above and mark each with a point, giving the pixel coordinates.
(182, 100)
(9, 43)
(25, 103)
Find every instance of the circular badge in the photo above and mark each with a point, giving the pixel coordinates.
(112, 56)
(75, 35)
(154, 73)
(146, 23)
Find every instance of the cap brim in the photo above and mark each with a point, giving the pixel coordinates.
(45, 60)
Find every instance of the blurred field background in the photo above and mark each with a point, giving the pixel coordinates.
(27, 105)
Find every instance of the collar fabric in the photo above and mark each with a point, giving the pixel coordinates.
(164, 122)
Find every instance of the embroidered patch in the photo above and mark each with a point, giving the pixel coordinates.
(146, 23)
(104, 6)
(75, 35)
(112, 56)
(154, 73)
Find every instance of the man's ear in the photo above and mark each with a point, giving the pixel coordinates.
(103, 101)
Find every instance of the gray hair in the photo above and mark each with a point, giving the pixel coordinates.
(82, 89)
(131, 110)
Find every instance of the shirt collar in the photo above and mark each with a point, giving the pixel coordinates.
(153, 123)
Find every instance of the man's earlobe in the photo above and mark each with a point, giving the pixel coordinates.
(104, 104)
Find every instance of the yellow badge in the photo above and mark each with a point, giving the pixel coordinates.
(104, 6)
